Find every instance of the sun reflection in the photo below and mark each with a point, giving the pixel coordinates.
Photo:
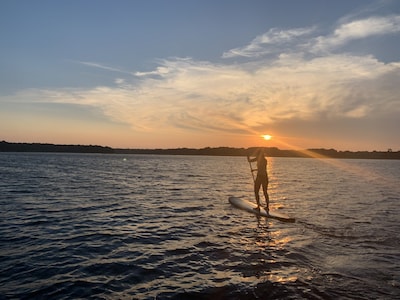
(267, 265)
(278, 240)
(284, 276)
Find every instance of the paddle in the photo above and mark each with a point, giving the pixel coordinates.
(251, 169)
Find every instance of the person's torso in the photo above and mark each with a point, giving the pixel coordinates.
(262, 167)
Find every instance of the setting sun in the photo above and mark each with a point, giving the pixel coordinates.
(266, 137)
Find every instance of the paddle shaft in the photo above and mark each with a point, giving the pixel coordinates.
(252, 171)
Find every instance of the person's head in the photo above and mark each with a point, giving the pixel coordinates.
(260, 152)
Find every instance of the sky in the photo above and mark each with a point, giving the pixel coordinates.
(205, 73)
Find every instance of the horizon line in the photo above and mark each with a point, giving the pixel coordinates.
(389, 150)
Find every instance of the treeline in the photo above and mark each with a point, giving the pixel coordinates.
(269, 151)
(37, 147)
(220, 151)
(332, 153)
(217, 151)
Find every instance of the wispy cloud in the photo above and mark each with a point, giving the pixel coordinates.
(305, 40)
(210, 97)
(270, 42)
(358, 29)
(159, 71)
(102, 66)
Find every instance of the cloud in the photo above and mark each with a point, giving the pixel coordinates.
(358, 29)
(159, 71)
(206, 97)
(269, 42)
(102, 66)
(301, 40)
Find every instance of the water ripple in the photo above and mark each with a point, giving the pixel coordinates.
(150, 227)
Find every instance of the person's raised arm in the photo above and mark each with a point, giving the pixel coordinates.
(251, 159)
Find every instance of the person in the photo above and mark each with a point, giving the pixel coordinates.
(262, 177)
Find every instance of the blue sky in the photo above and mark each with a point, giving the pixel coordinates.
(201, 73)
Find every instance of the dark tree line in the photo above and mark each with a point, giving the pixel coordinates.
(37, 147)
(216, 151)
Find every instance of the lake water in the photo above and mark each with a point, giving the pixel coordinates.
(161, 227)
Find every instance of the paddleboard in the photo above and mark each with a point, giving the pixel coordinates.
(249, 207)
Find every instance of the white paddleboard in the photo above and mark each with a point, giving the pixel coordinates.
(250, 207)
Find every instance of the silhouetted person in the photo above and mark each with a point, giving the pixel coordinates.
(262, 177)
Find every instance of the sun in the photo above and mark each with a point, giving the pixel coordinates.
(266, 137)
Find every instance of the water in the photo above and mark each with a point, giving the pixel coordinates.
(160, 227)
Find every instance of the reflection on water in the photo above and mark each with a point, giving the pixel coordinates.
(146, 227)
(268, 242)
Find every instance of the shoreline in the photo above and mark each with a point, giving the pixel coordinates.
(210, 151)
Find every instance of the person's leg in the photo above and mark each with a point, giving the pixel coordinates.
(257, 185)
(265, 190)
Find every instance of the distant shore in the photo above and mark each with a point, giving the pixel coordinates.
(216, 151)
